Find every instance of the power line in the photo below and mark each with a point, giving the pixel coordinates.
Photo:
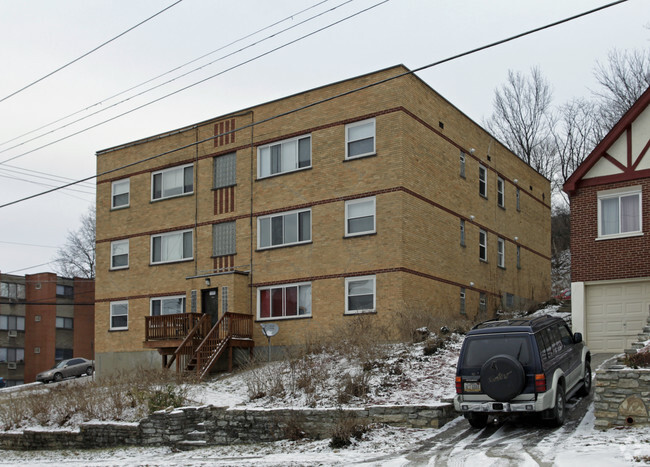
(30, 267)
(156, 77)
(327, 99)
(40, 175)
(89, 52)
(172, 80)
(28, 244)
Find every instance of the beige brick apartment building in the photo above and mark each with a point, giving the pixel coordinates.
(380, 199)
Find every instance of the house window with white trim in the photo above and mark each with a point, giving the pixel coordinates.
(284, 156)
(501, 253)
(360, 217)
(284, 301)
(176, 181)
(167, 305)
(120, 193)
(360, 139)
(360, 296)
(482, 181)
(619, 212)
(64, 323)
(501, 194)
(12, 323)
(12, 290)
(289, 228)
(119, 316)
(171, 247)
(120, 254)
(482, 245)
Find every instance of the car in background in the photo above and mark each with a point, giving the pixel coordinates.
(73, 367)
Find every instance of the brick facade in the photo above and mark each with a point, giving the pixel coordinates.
(420, 197)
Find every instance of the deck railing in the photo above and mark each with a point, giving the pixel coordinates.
(176, 326)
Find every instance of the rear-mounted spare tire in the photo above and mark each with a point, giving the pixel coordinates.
(502, 378)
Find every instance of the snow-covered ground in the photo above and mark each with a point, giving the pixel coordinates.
(404, 376)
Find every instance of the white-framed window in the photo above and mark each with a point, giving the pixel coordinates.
(462, 232)
(518, 257)
(501, 193)
(12, 290)
(120, 193)
(172, 246)
(225, 170)
(287, 228)
(360, 296)
(64, 290)
(119, 315)
(360, 139)
(518, 199)
(120, 254)
(462, 164)
(619, 212)
(12, 354)
(360, 217)
(501, 253)
(482, 245)
(284, 156)
(462, 300)
(12, 323)
(64, 323)
(167, 305)
(224, 239)
(284, 301)
(482, 181)
(176, 181)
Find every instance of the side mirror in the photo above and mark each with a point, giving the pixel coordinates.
(577, 337)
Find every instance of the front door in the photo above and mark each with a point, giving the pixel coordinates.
(209, 304)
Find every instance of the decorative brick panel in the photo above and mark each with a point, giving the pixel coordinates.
(222, 127)
(224, 200)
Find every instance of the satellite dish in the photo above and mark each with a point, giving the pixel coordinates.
(270, 329)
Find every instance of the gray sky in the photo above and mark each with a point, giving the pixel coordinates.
(39, 36)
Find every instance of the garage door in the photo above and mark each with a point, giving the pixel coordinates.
(615, 315)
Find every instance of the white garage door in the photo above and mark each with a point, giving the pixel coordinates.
(615, 315)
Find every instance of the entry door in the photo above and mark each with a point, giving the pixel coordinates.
(210, 304)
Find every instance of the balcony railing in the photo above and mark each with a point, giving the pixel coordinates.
(167, 327)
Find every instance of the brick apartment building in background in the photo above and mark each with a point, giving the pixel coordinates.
(43, 319)
(375, 202)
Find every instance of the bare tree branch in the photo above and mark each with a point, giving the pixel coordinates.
(77, 257)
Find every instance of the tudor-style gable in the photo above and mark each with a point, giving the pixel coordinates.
(622, 155)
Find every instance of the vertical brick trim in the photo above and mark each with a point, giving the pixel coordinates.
(224, 200)
(224, 263)
(224, 127)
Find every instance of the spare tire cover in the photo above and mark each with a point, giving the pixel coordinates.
(502, 378)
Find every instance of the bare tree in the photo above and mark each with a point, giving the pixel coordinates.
(77, 257)
(523, 119)
(623, 79)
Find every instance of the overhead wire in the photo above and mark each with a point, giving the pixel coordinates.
(104, 109)
(337, 96)
(12, 169)
(89, 52)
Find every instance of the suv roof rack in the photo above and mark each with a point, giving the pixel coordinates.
(498, 322)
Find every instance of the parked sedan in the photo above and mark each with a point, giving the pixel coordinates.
(67, 368)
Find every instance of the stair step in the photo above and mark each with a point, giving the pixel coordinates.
(637, 345)
(187, 445)
(643, 337)
(196, 436)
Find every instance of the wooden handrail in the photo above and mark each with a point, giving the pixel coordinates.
(189, 338)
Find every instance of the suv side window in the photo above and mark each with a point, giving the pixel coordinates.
(541, 346)
(557, 341)
(548, 342)
(565, 335)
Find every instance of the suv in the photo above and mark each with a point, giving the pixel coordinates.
(523, 366)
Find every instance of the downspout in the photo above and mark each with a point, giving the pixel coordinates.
(252, 181)
(196, 201)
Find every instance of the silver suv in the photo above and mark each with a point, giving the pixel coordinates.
(518, 366)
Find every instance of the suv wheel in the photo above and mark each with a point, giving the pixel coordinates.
(586, 381)
(502, 377)
(559, 410)
(477, 420)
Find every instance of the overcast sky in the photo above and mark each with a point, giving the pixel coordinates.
(39, 36)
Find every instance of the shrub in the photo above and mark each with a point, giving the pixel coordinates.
(353, 386)
(346, 429)
(641, 359)
(433, 344)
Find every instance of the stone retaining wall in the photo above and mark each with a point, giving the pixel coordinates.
(203, 426)
(622, 397)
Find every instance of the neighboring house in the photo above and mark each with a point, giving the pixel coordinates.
(376, 202)
(610, 246)
(43, 319)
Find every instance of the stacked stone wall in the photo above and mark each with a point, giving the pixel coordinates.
(622, 397)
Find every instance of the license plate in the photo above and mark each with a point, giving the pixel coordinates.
(472, 387)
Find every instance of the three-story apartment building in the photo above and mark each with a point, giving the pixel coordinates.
(363, 196)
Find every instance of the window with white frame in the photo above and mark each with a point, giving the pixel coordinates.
(501, 194)
(289, 228)
(64, 291)
(172, 246)
(360, 216)
(462, 300)
(12, 354)
(518, 257)
(284, 156)
(482, 181)
(501, 253)
(360, 296)
(120, 193)
(172, 182)
(12, 323)
(482, 245)
(12, 290)
(462, 164)
(120, 254)
(462, 232)
(223, 239)
(619, 212)
(167, 305)
(360, 139)
(119, 315)
(284, 301)
(225, 170)
(64, 323)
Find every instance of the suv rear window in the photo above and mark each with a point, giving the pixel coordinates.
(478, 349)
